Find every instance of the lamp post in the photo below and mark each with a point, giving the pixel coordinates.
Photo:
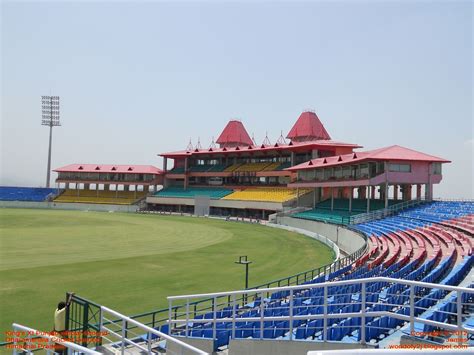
(243, 261)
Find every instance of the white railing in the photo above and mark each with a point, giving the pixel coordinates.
(364, 295)
(126, 333)
(442, 199)
(383, 213)
(26, 340)
(409, 349)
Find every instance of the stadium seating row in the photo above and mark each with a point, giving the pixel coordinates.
(100, 197)
(399, 247)
(266, 194)
(36, 194)
(340, 212)
(192, 192)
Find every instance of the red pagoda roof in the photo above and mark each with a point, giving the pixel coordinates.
(308, 127)
(392, 153)
(234, 133)
(106, 168)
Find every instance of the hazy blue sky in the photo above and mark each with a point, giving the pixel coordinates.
(140, 78)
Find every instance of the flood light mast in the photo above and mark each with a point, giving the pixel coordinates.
(50, 117)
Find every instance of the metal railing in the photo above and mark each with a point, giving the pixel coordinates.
(83, 315)
(331, 309)
(26, 340)
(383, 213)
(120, 336)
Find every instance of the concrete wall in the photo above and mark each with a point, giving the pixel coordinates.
(69, 206)
(206, 345)
(348, 241)
(284, 347)
(257, 205)
(313, 235)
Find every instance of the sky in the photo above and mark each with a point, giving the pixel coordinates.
(140, 78)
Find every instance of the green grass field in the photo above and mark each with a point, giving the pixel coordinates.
(131, 262)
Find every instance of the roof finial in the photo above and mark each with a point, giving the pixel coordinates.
(266, 141)
(198, 145)
(190, 145)
(213, 144)
(282, 139)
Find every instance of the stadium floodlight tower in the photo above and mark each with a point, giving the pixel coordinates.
(50, 108)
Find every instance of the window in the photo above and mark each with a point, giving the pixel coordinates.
(364, 170)
(380, 167)
(319, 174)
(327, 174)
(346, 172)
(400, 168)
(373, 169)
(436, 168)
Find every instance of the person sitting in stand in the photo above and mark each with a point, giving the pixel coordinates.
(60, 323)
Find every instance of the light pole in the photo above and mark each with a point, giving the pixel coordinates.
(50, 117)
(243, 261)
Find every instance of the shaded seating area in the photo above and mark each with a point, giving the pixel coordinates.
(35, 194)
(336, 216)
(266, 194)
(207, 168)
(340, 214)
(100, 197)
(192, 192)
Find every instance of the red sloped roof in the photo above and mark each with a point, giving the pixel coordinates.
(294, 146)
(392, 153)
(308, 125)
(234, 132)
(108, 168)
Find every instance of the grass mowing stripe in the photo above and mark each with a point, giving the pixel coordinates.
(131, 262)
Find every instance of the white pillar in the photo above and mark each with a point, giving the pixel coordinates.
(368, 199)
(332, 198)
(350, 199)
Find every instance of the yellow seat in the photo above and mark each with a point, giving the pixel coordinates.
(102, 196)
(266, 194)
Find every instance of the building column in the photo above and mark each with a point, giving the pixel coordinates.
(368, 199)
(116, 191)
(332, 198)
(314, 198)
(292, 158)
(185, 165)
(428, 191)
(372, 192)
(135, 192)
(418, 191)
(165, 164)
(395, 192)
(386, 194)
(297, 197)
(350, 199)
(408, 192)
